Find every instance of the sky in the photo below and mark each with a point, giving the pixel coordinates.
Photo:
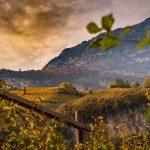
(32, 32)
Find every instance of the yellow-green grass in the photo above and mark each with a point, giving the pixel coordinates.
(46, 95)
(98, 99)
(103, 99)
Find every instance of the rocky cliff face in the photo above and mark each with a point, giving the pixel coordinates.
(124, 58)
(132, 120)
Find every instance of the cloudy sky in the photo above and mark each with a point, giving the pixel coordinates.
(34, 31)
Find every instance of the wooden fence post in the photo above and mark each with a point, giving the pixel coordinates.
(79, 134)
(25, 90)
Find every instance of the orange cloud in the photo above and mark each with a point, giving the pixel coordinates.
(34, 31)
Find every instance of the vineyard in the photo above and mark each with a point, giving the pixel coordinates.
(28, 125)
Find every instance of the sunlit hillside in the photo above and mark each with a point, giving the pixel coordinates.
(47, 96)
(124, 109)
(88, 100)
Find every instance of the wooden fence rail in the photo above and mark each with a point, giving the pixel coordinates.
(42, 110)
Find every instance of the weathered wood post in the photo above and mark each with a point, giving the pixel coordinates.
(79, 134)
(25, 90)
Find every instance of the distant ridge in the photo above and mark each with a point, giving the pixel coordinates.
(90, 68)
(124, 58)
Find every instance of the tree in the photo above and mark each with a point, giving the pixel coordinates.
(126, 84)
(146, 83)
(67, 88)
(134, 84)
(119, 83)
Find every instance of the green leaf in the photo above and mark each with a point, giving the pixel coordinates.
(104, 44)
(107, 22)
(95, 43)
(125, 30)
(143, 43)
(93, 27)
(108, 43)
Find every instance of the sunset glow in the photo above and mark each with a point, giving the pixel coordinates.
(33, 32)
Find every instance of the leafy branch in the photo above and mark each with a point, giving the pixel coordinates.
(110, 40)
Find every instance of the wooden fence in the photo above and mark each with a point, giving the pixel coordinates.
(80, 128)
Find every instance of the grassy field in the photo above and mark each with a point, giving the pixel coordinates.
(47, 95)
(99, 99)
(108, 99)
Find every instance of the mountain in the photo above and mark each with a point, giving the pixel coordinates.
(90, 68)
(122, 59)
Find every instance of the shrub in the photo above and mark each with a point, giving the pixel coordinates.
(3, 84)
(99, 138)
(21, 128)
(134, 84)
(139, 141)
(146, 83)
(67, 88)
